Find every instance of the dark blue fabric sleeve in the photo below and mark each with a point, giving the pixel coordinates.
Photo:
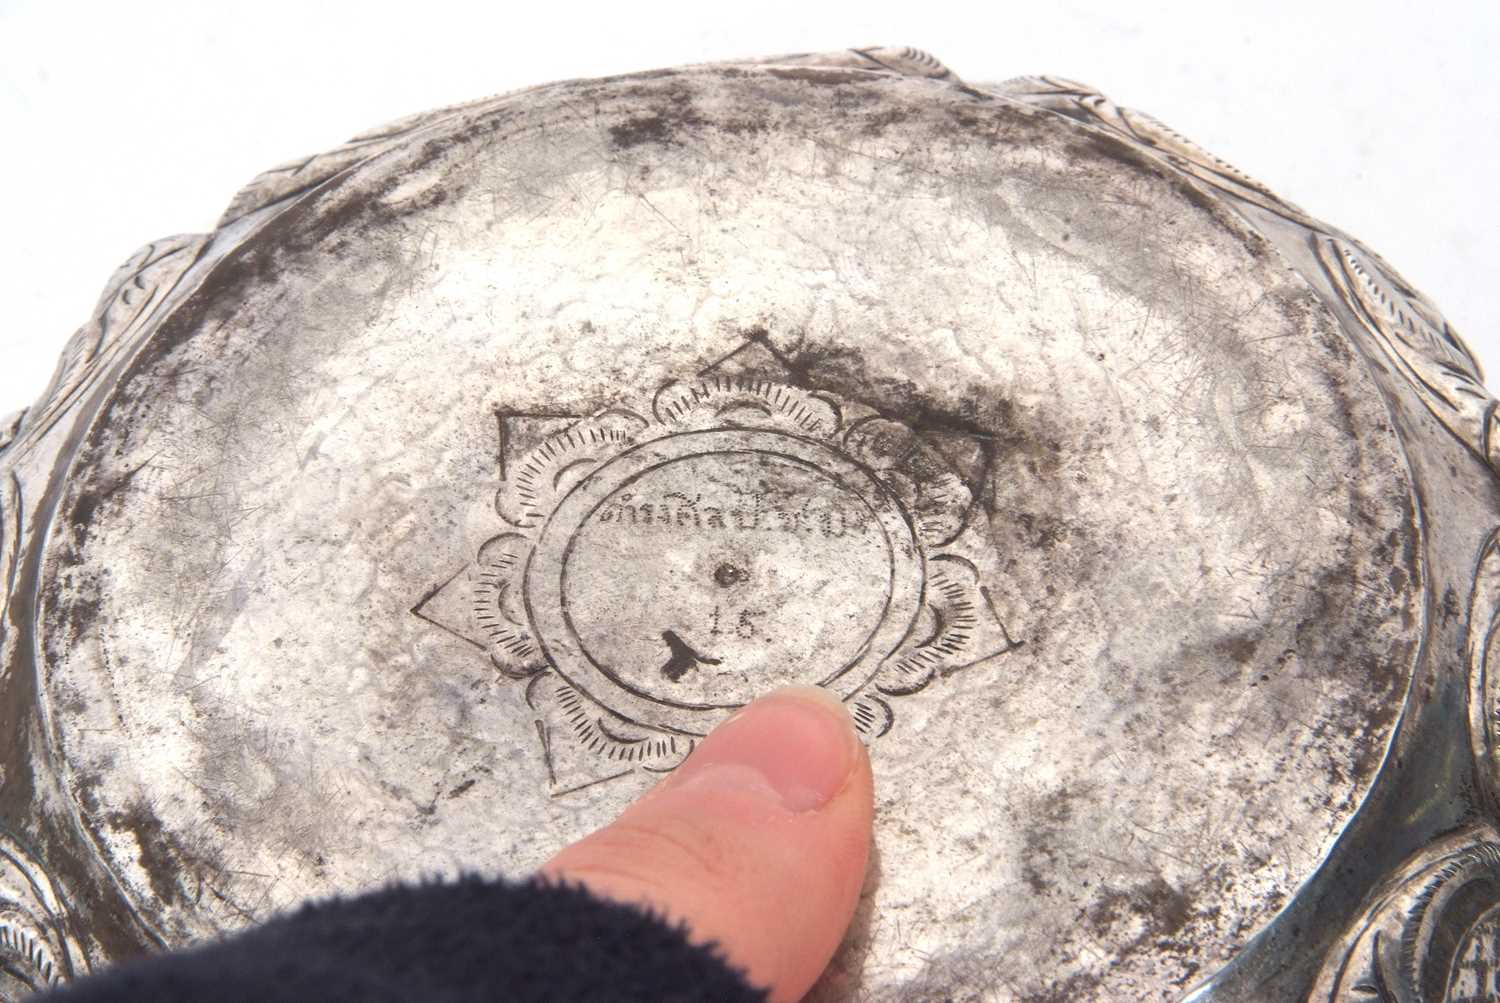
(453, 942)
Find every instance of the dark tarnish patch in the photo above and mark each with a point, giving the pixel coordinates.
(745, 126)
(1047, 818)
(877, 123)
(167, 864)
(91, 891)
(999, 124)
(1239, 648)
(1091, 144)
(841, 369)
(1450, 607)
(86, 507)
(1194, 193)
(79, 610)
(662, 127)
(1339, 610)
(156, 860)
(1166, 915)
(1167, 910)
(1073, 988)
(1018, 437)
(18, 698)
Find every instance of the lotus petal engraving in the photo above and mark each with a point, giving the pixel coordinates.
(733, 533)
(1413, 339)
(1429, 935)
(37, 948)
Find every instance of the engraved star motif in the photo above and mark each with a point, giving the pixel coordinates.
(804, 537)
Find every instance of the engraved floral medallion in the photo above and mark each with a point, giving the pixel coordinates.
(661, 562)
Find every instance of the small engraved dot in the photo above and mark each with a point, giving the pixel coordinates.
(728, 574)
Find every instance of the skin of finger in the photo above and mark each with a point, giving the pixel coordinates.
(775, 889)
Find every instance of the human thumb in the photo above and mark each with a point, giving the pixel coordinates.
(758, 841)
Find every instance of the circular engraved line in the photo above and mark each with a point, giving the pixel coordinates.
(543, 594)
(859, 654)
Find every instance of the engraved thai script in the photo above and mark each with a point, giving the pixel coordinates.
(748, 512)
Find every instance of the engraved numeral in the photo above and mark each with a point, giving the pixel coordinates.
(743, 624)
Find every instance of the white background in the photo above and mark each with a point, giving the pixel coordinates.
(124, 122)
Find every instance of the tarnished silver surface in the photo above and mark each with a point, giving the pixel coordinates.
(417, 517)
